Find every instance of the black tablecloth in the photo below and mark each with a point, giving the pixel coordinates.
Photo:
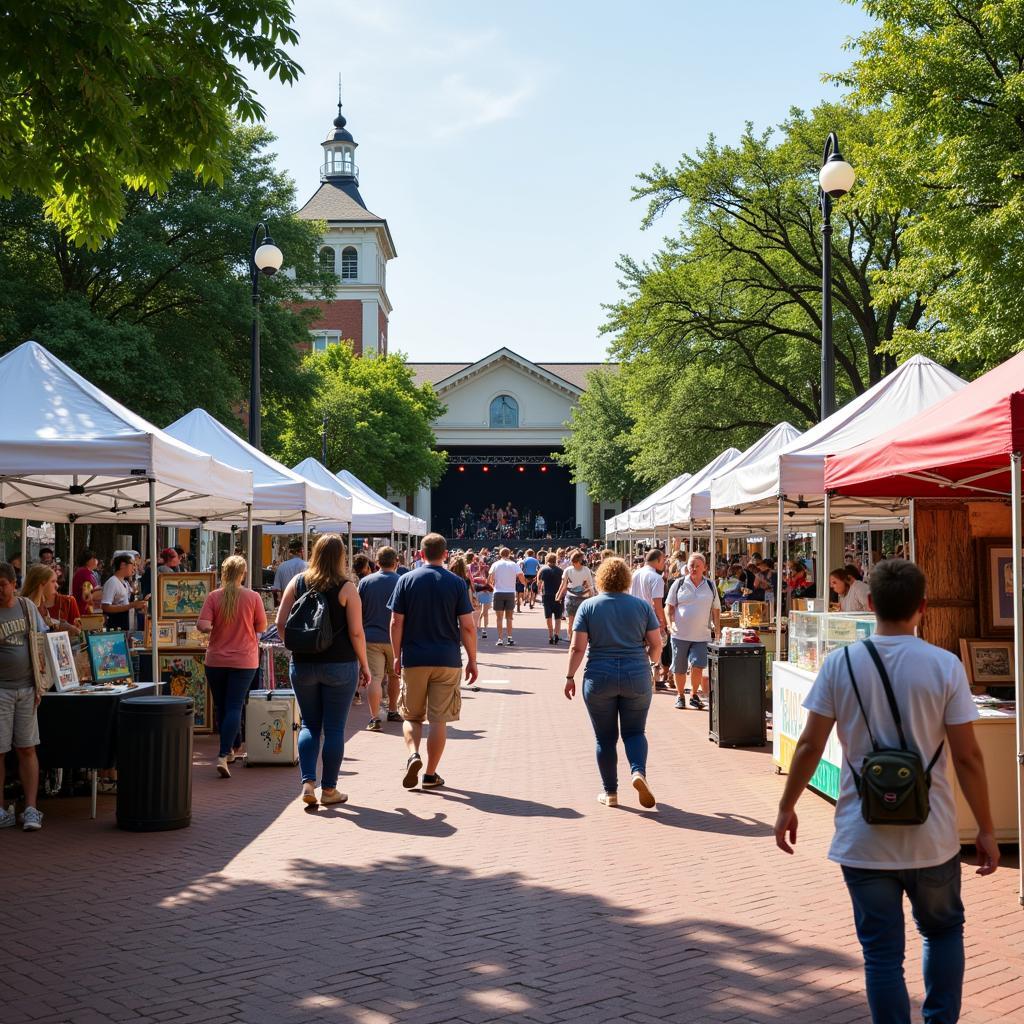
(79, 730)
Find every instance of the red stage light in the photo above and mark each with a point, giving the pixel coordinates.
(522, 469)
(462, 469)
(543, 469)
(486, 469)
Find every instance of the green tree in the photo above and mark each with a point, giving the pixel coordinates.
(99, 97)
(719, 333)
(596, 450)
(159, 315)
(948, 76)
(378, 420)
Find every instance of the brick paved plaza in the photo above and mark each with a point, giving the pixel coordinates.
(511, 894)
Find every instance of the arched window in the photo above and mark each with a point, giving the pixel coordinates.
(327, 259)
(349, 263)
(504, 412)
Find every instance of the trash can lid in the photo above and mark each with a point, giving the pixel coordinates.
(156, 704)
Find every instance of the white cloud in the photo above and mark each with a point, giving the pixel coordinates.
(465, 106)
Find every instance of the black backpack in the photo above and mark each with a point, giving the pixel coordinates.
(308, 629)
(893, 784)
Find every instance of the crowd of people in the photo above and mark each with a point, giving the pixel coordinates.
(503, 523)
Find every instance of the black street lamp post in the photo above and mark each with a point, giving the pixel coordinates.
(265, 258)
(835, 179)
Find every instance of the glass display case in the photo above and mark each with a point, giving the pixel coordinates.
(813, 635)
(755, 613)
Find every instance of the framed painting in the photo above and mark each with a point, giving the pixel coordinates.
(185, 676)
(987, 661)
(180, 595)
(995, 581)
(166, 634)
(87, 623)
(109, 657)
(61, 656)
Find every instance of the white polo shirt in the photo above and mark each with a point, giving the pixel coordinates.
(648, 585)
(691, 608)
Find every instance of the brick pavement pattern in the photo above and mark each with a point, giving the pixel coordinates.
(508, 895)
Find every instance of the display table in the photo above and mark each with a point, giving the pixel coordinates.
(997, 737)
(79, 730)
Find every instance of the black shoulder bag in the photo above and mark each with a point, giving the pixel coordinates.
(308, 629)
(893, 784)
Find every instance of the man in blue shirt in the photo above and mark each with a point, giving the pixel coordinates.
(431, 614)
(375, 592)
(531, 566)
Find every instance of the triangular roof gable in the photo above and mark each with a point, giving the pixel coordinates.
(506, 355)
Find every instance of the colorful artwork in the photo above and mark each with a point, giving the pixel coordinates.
(109, 657)
(180, 595)
(987, 661)
(273, 734)
(995, 582)
(61, 657)
(166, 635)
(185, 677)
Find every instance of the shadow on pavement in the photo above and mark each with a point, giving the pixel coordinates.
(401, 820)
(722, 823)
(510, 805)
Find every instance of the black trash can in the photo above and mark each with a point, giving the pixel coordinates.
(736, 695)
(154, 763)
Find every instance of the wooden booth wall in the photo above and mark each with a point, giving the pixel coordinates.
(946, 532)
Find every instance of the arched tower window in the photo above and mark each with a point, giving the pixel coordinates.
(504, 412)
(327, 259)
(349, 263)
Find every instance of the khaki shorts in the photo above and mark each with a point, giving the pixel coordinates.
(18, 722)
(430, 692)
(381, 659)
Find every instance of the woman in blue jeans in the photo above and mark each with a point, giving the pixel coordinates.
(326, 682)
(620, 635)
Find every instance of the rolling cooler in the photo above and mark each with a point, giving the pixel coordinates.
(736, 695)
(271, 727)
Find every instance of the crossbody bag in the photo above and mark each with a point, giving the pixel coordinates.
(893, 784)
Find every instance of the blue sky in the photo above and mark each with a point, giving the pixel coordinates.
(501, 141)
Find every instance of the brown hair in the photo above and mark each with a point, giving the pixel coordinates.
(387, 558)
(458, 566)
(613, 576)
(232, 572)
(434, 547)
(326, 563)
(552, 558)
(505, 553)
(36, 578)
(575, 556)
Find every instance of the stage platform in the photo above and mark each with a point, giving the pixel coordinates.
(517, 544)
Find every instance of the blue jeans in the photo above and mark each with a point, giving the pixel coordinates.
(229, 687)
(324, 692)
(617, 693)
(934, 895)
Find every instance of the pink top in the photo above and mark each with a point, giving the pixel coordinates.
(234, 644)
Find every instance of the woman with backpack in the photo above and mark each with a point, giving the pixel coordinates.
(321, 620)
(234, 617)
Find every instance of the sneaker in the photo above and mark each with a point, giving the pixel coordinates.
(608, 799)
(31, 820)
(696, 702)
(680, 703)
(394, 716)
(510, 642)
(374, 725)
(500, 643)
(483, 634)
(643, 790)
(357, 699)
(222, 768)
(660, 686)
(431, 781)
(412, 771)
(8, 819)
(551, 640)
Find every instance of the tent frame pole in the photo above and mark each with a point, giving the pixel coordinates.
(779, 584)
(248, 547)
(154, 652)
(1017, 513)
(70, 572)
(912, 553)
(711, 549)
(826, 550)
(24, 549)
(305, 535)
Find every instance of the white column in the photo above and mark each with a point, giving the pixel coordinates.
(584, 511)
(421, 506)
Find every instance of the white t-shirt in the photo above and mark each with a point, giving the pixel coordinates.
(116, 592)
(691, 608)
(856, 598)
(505, 572)
(581, 577)
(931, 692)
(648, 584)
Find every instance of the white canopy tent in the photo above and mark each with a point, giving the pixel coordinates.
(401, 522)
(278, 492)
(633, 518)
(71, 453)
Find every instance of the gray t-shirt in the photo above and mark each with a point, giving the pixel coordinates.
(15, 660)
(287, 571)
(616, 626)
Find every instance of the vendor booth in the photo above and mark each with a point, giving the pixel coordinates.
(960, 465)
(401, 522)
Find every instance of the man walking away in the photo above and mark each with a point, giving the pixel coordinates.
(19, 726)
(693, 604)
(431, 612)
(375, 592)
(289, 569)
(649, 585)
(531, 567)
(504, 576)
(928, 710)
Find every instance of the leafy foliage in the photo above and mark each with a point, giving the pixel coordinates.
(948, 76)
(97, 98)
(159, 316)
(378, 420)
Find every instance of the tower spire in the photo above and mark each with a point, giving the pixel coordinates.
(339, 121)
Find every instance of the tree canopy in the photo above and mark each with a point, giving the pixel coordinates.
(378, 420)
(159, 315)
(97, 98)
